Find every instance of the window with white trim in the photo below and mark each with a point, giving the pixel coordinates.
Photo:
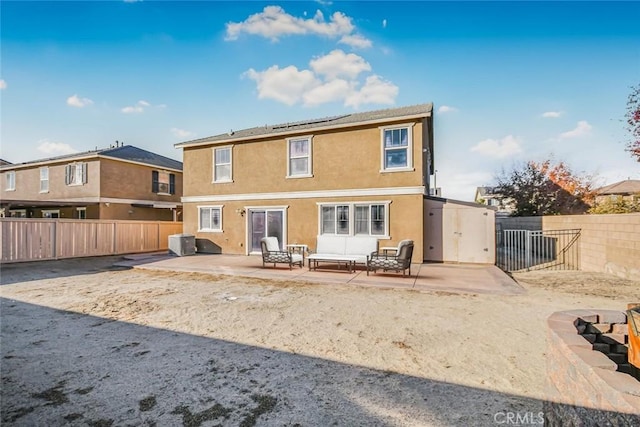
(299, 163)
(210, 218)
(222, 164)
(397, 143)
(75, 173)
(163, 182)
(10, 181)
(364, 219)
(81, 213)
(44, 180)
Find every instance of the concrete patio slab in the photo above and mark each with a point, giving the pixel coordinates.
(455, 278)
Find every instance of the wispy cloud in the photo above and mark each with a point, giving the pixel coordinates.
(273, 22)
(50, 148)
(384, 23)
(552, 114)
(447, 109)
(138, 108)
(181, 133)
(76, 101)
(3, 84)
(499, 148)
(583, 128)
(335, 77)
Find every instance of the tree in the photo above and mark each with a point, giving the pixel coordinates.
(617, 206)
(633, 122)
(537, 189)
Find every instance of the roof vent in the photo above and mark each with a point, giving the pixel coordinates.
(230, 132)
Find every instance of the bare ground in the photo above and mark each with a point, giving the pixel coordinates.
(85, 344)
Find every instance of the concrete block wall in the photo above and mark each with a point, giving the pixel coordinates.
(585, 387)
(608, 243)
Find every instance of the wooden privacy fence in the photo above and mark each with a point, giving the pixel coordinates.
(42, 239)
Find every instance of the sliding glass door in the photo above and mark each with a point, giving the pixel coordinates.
(265, 223)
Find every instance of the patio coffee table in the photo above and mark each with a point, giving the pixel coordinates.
(349, 262)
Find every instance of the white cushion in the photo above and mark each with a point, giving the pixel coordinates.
(361, 245)
(272, 243)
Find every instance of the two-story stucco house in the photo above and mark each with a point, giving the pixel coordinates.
(120, 182)
(355, 174)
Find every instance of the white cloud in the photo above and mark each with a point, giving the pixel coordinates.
(552, 114)
(500, 148)
(356, 40)
(374, 91)
(273, 22)
(54, 148)
(3, 84)
(331, 91)
(462, 186)
(583, 128)
(286, 85)
(138, 108)
(447, 109)
(334, 77)
(339, 64)
(384, 23)
(76, 101)
(181, 133)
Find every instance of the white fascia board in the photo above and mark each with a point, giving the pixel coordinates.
(358, 192)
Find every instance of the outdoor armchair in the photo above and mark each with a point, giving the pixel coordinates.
(400, 261)
(271, 254)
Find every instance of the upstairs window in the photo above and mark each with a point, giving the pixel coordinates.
(44, 180)
(163, 182)
(222, 164)
(10, 184)
(75, 174)
(397, 148)
(299, 157)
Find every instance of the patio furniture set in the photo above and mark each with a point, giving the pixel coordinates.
(347, 251)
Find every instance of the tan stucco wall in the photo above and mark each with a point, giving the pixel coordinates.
(342, 159)
(128, 212)
(28, 183)
(405, 221)
(133, 181)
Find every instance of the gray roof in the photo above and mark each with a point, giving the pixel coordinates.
(125, 152)
(326, 122)
(628, 186)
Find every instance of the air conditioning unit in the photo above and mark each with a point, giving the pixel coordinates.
(182, 244)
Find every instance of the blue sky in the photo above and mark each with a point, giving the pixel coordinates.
(511, 81)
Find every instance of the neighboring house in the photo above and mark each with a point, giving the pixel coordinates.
(356, 174)
(628, 189)
(121, 182)
(488, 196)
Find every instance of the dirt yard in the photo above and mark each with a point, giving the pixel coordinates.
(83, 343)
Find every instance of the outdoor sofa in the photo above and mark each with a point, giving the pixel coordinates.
(342, 250)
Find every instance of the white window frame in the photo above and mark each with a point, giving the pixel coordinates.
(84, 213)
(10, 181)
(352, 214)
(44, 188)
(210, 230)
(309, 157)
(214, 177)
(22, 212)
(78, 173)
(167, 175)
(44, 212)
(383, 148)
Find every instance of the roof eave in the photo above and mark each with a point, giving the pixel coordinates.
(196, 143)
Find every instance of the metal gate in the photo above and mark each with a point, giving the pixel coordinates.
(538, 250)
